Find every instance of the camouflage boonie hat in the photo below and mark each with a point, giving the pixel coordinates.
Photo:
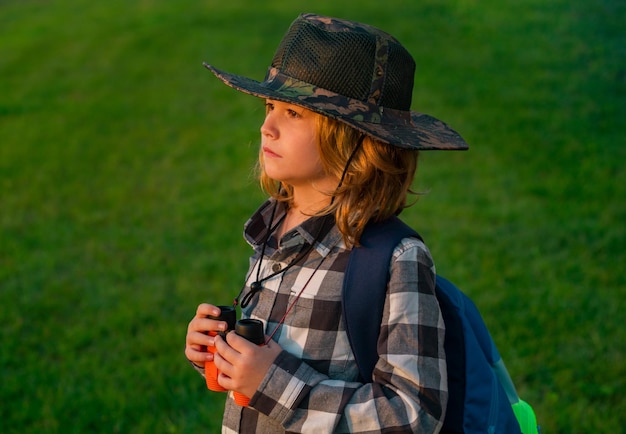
(351, 72)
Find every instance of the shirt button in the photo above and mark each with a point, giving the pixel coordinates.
(276, 267)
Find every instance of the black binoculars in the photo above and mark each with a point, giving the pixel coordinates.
(250, 329)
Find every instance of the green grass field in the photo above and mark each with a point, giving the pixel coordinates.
(125, 178)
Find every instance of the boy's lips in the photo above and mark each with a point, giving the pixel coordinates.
(269, 153)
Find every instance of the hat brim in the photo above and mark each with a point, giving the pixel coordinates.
(408, 130)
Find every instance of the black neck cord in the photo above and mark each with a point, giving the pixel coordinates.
(345, 169)
(257, 285)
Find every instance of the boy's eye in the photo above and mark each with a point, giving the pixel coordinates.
(293, 113)
(270, 106)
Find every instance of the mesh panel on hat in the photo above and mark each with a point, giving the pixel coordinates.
(330, 60)
(398, 86)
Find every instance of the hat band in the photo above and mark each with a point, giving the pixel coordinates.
(331, 103)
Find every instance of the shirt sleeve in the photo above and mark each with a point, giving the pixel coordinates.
(409, 388)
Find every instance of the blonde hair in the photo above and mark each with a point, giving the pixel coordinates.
(376, 183)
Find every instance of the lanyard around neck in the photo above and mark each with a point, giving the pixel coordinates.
(257, 285)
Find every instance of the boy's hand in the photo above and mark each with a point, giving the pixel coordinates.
(242, 364)
(197, 334)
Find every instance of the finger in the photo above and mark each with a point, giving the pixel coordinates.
(198, 357)
(222, 347)
(206, 309)
(223, 366)
(224, 380)
(240, 344)
(225, 351)
(199, 342)
(199, 339)
(197, 324)
(204, 325)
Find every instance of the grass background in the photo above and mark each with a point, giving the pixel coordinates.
(125, 179)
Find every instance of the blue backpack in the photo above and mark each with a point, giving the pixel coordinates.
(482, 397)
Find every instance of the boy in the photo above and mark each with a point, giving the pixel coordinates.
(339, 148)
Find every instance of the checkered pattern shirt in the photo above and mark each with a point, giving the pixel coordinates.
(313, 386)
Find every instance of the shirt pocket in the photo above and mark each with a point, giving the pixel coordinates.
(316, 327)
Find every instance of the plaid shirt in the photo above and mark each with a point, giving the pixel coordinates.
(313, 385)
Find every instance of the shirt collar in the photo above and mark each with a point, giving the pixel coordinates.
(320, 228)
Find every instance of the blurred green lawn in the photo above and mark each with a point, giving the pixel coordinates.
(125, 177)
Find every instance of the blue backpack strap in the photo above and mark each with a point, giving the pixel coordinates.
(475, 367)
(454, 343)
(488, 408)
(365, 287)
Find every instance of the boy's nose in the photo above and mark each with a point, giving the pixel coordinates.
(268, 129)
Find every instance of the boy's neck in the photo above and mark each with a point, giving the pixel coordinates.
(308, 201)
(302, 208)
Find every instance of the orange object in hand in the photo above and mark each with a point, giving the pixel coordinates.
(228, 314)
(211, 372)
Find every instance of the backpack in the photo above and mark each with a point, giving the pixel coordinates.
(481, 394)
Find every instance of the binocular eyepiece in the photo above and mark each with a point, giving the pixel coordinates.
(250, 329)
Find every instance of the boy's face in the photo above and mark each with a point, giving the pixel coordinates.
(289, 148)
